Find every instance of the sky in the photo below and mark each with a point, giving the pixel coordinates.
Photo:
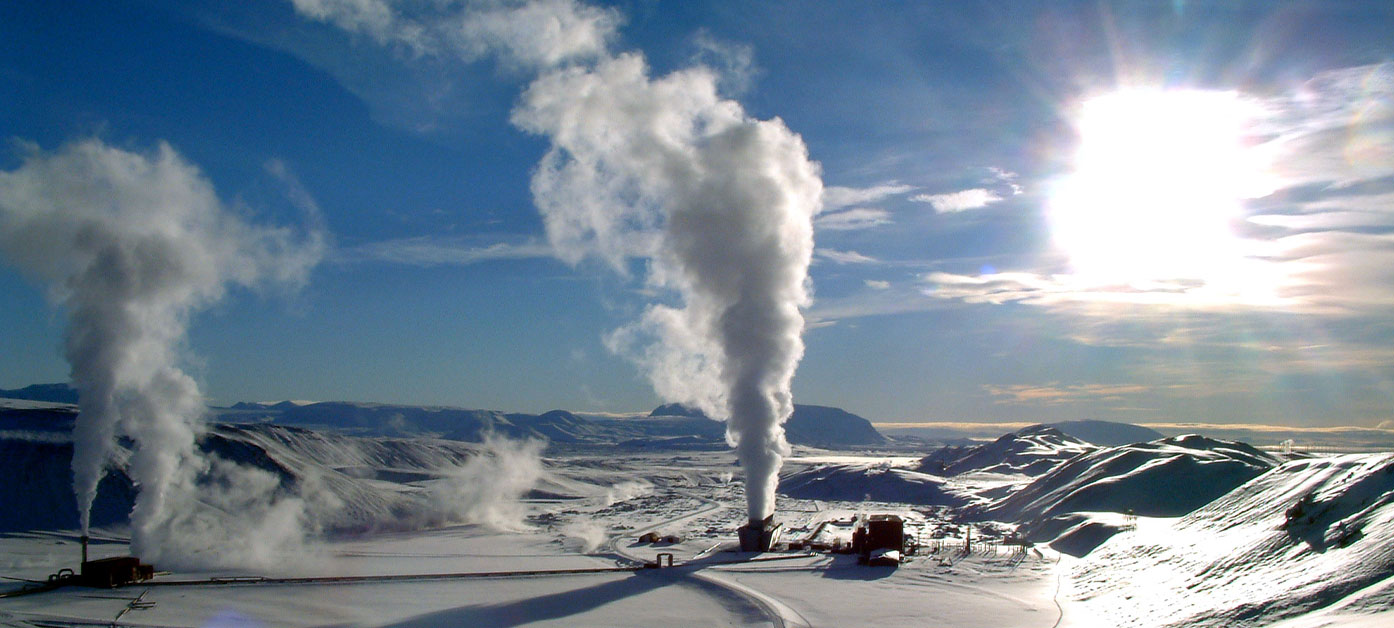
(1138, 211)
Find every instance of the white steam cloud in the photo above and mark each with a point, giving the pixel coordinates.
(723, 205)
(585, 533)
(659, 168)
(131, 245)
(488, 488)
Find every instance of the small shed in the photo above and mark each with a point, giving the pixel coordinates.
(878, 532)
(108, 573)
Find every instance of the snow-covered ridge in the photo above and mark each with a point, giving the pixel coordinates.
(1163, 478)
(1031, 451)
(1310, 535)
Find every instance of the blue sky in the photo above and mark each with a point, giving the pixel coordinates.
(970, 262)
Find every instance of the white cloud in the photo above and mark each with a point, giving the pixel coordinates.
(1057, 394)
(839, 197)
(1004, 176)
(844, 257)
(877, 284)
(735, 63)
(532, 34)
(441, 251)
(852, 219)
(962, 200)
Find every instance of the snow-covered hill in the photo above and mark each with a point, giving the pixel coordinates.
(1310, 535)
(1163, 478)
(869, 482)
(1031, 451)
(348, 483)
(1108, 433)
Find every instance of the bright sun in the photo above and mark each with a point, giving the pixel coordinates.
(1159, 177)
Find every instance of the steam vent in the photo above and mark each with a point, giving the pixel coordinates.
(759, 536)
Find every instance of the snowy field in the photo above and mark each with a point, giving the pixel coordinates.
(1114, 538)
(688, 495)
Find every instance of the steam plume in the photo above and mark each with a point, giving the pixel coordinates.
(723, 204)
(664, 169)
(131, 245)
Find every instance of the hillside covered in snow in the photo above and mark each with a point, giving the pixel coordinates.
(1163, 478)
(1031, 451)
(1310, 542)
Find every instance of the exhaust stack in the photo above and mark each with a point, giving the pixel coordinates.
(84, 539)
(760, 535)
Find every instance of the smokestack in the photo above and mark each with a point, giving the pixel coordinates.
(84, 540)
(759, 535)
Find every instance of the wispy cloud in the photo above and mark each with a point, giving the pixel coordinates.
(843, 257)
(1057, 394)
(535, 34)
(877, 284)
(962, 200)
(1065, 291)
(853, 219)
(836, 197)
(441, 251)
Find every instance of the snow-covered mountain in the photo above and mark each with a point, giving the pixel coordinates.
(1031, 451)
(669, 425)
(1162, 478)
(1311, 538)
(376, 419)
(1108, 433)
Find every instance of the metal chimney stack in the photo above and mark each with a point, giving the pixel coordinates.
(759, 535)
(84, 540)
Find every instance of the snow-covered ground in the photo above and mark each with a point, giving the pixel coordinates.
(689, 495)
(1304, 543)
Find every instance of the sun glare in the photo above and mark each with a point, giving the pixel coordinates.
(1159, 178)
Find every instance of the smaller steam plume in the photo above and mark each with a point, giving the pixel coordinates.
(131, 245)
(585, 534)
(488, 488)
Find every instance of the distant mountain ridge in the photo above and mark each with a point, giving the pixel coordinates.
(818, 426)
(53, 393)
(669, 425)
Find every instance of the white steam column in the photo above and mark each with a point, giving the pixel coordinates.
(130, 245)
(722, 205)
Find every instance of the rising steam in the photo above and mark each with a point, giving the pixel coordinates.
(723, 204)
(657, 168)
(131, 245)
